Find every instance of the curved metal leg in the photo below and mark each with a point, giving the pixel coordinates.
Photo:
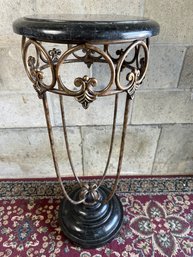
(126, 114)
(53, 150)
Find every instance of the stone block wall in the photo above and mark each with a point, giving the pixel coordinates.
(159, 137)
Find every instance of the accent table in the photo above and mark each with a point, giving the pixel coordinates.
(91, 215)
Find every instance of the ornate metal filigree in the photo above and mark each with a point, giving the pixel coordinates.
(86, 95)
(33, 68)
(89, 191)
(134, 59)
(79, 94)
(54, 54)
(37, 75)
(88, 56)
(119, 52)
(137, 68)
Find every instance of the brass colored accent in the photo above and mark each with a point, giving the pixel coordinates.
(54, 59)
(88, 58)
(85, 92)
(33, 68)
(37, 75)
(63, 59)
(87, 96)
(55, 53)
(137, 73)
(89, 191)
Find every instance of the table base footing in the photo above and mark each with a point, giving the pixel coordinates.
(91, 226)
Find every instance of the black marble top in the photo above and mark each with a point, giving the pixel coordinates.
(85, 28)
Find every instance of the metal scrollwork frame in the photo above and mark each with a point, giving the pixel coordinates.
(85, 91)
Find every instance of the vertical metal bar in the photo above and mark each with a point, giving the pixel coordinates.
(112, 140)
(53, 150)
(66, 137)
(125, 121)
(148, 42)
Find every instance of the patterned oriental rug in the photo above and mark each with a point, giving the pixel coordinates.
(158, 219)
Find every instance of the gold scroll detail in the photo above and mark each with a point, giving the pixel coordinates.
(86, 95)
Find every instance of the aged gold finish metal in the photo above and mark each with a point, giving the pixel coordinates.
(87, 95)
(85, 92)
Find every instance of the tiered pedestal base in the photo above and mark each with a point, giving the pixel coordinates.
(91, 226)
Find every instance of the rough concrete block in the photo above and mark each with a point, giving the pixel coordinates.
(164, 66)
(139, 153)
(175, 19)
(60, 7)
(12, 73)
(89, 7)
(21, 110)
(156, 107)
(174, 152)
(11, 10)
(11, 40)
(131, 7)
(26, 153)
(186, 78)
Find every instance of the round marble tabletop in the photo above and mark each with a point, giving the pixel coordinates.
(85, 28)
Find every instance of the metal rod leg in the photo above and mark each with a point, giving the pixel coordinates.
(121, 148)
(66, 138)
(53, 150)
(112, 140)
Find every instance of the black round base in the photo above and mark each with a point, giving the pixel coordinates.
(91, 226)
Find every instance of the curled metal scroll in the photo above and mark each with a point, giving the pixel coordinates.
(33, 68)
(88, 56)
(85, 91)
(137, 72)
(86, 94)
